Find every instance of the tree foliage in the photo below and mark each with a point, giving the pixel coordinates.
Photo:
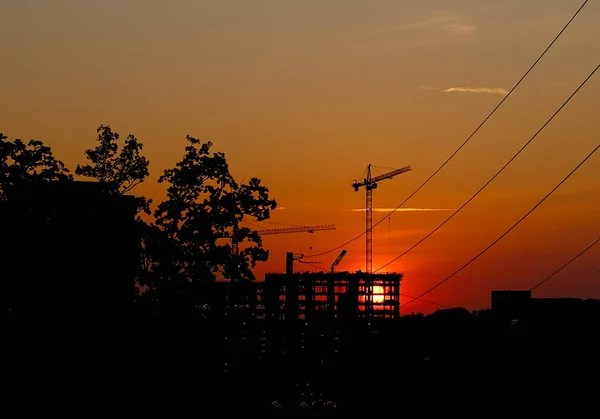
(191, 241)
(204, 204)
(23, 165)
(120, 171)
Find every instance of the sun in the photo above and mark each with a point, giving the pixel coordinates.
(378, 296)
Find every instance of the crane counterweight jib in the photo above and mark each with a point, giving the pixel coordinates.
(371, 182)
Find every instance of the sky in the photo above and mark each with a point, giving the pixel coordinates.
(304, 94)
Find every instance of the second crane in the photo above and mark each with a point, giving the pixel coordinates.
(370, 183)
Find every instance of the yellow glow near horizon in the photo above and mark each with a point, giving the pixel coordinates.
(378, 296)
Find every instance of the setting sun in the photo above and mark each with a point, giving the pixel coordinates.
(378, 296)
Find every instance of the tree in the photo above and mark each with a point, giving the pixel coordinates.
(120, 171)
(204, 204)
(23, 165)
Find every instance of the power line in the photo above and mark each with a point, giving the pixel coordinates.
(466, 141)
(282, 224)
(252, 224)
(566, 264)
(314, 266)
(426, 301)
(507, 231)
(270, 222)
(497, 173)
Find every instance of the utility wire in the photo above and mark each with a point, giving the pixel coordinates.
(565, 265)
(507, 231)
(252, 224)
(269, 222)
(466, 141)
(533, 288)
(314, 266)
(425, 301)
(497, 173)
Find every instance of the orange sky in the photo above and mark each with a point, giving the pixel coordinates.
(305, 93)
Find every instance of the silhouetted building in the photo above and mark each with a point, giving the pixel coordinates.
(232, 300)
(518, 306)
(511, 305)
(330, 296)
(70, 253)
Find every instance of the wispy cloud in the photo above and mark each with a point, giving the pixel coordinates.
(462, 28)
(436, 89)
(403, 209)
(487, 90)
(451, 23)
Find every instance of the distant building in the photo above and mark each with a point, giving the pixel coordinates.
(230, 300)
(511, 305)
(70, 252)
(518, 306)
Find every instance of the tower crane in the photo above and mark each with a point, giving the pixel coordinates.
(370, 183)
(300, 229)
(264, 232)
(338, 260)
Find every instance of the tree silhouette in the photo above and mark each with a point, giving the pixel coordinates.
(120, 171)
(204, 204)
(24, 165)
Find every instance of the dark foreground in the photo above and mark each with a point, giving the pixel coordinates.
(408, 367)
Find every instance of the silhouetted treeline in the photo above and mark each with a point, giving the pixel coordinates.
(193, 236)
(79, 258)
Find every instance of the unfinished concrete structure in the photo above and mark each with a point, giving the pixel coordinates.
(329, 296)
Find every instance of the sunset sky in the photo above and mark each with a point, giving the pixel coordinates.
(304, 94)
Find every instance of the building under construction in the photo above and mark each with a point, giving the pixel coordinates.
(329, 296)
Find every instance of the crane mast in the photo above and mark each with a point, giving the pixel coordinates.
(370, 183)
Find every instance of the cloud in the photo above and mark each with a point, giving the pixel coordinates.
(432, 21)
(460, 28)
(488, 90)
(403, 209)
(451, 23)
(437, 89)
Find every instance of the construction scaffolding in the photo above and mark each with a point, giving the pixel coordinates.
(329, 296)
